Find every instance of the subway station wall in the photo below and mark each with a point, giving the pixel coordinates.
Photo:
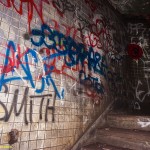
(60, 67)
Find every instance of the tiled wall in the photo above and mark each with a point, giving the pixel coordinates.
(52, 87)
(137, 71)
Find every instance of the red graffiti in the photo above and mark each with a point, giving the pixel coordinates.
(38, 7)
(92, 40)
(15, 59)
(70, 30)
(13, 62)
(99, 36)
(104, 44)
(98, 27)
(31, 6)
(7, 3)
(63, 68)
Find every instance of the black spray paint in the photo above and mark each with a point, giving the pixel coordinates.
(14, 106)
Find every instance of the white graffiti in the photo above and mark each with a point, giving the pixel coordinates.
(139, 92)
(144, 124)
(139, 34)
(117, 57)
(136, 105)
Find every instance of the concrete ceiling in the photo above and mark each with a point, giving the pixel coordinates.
(133, 8)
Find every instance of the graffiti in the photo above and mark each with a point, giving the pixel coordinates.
(138, 29)
(99, 42)
(99, 35)
(141, 94)
(70, 31)
(92, 84)
(62, 6)
(145, 123)
(14, 106)
(47, 106)
(17, 111)
(12, 64)
(6, 88)
(139, 34)
(85, 22)
(139, 38)
(115, 56)
(96, 34)
(74, 53)
(55, 48)
(38, 96)
(31, 6)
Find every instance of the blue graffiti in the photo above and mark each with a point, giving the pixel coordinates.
(45, 80)
(89, 82)
(76, 52)
(73, 53)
